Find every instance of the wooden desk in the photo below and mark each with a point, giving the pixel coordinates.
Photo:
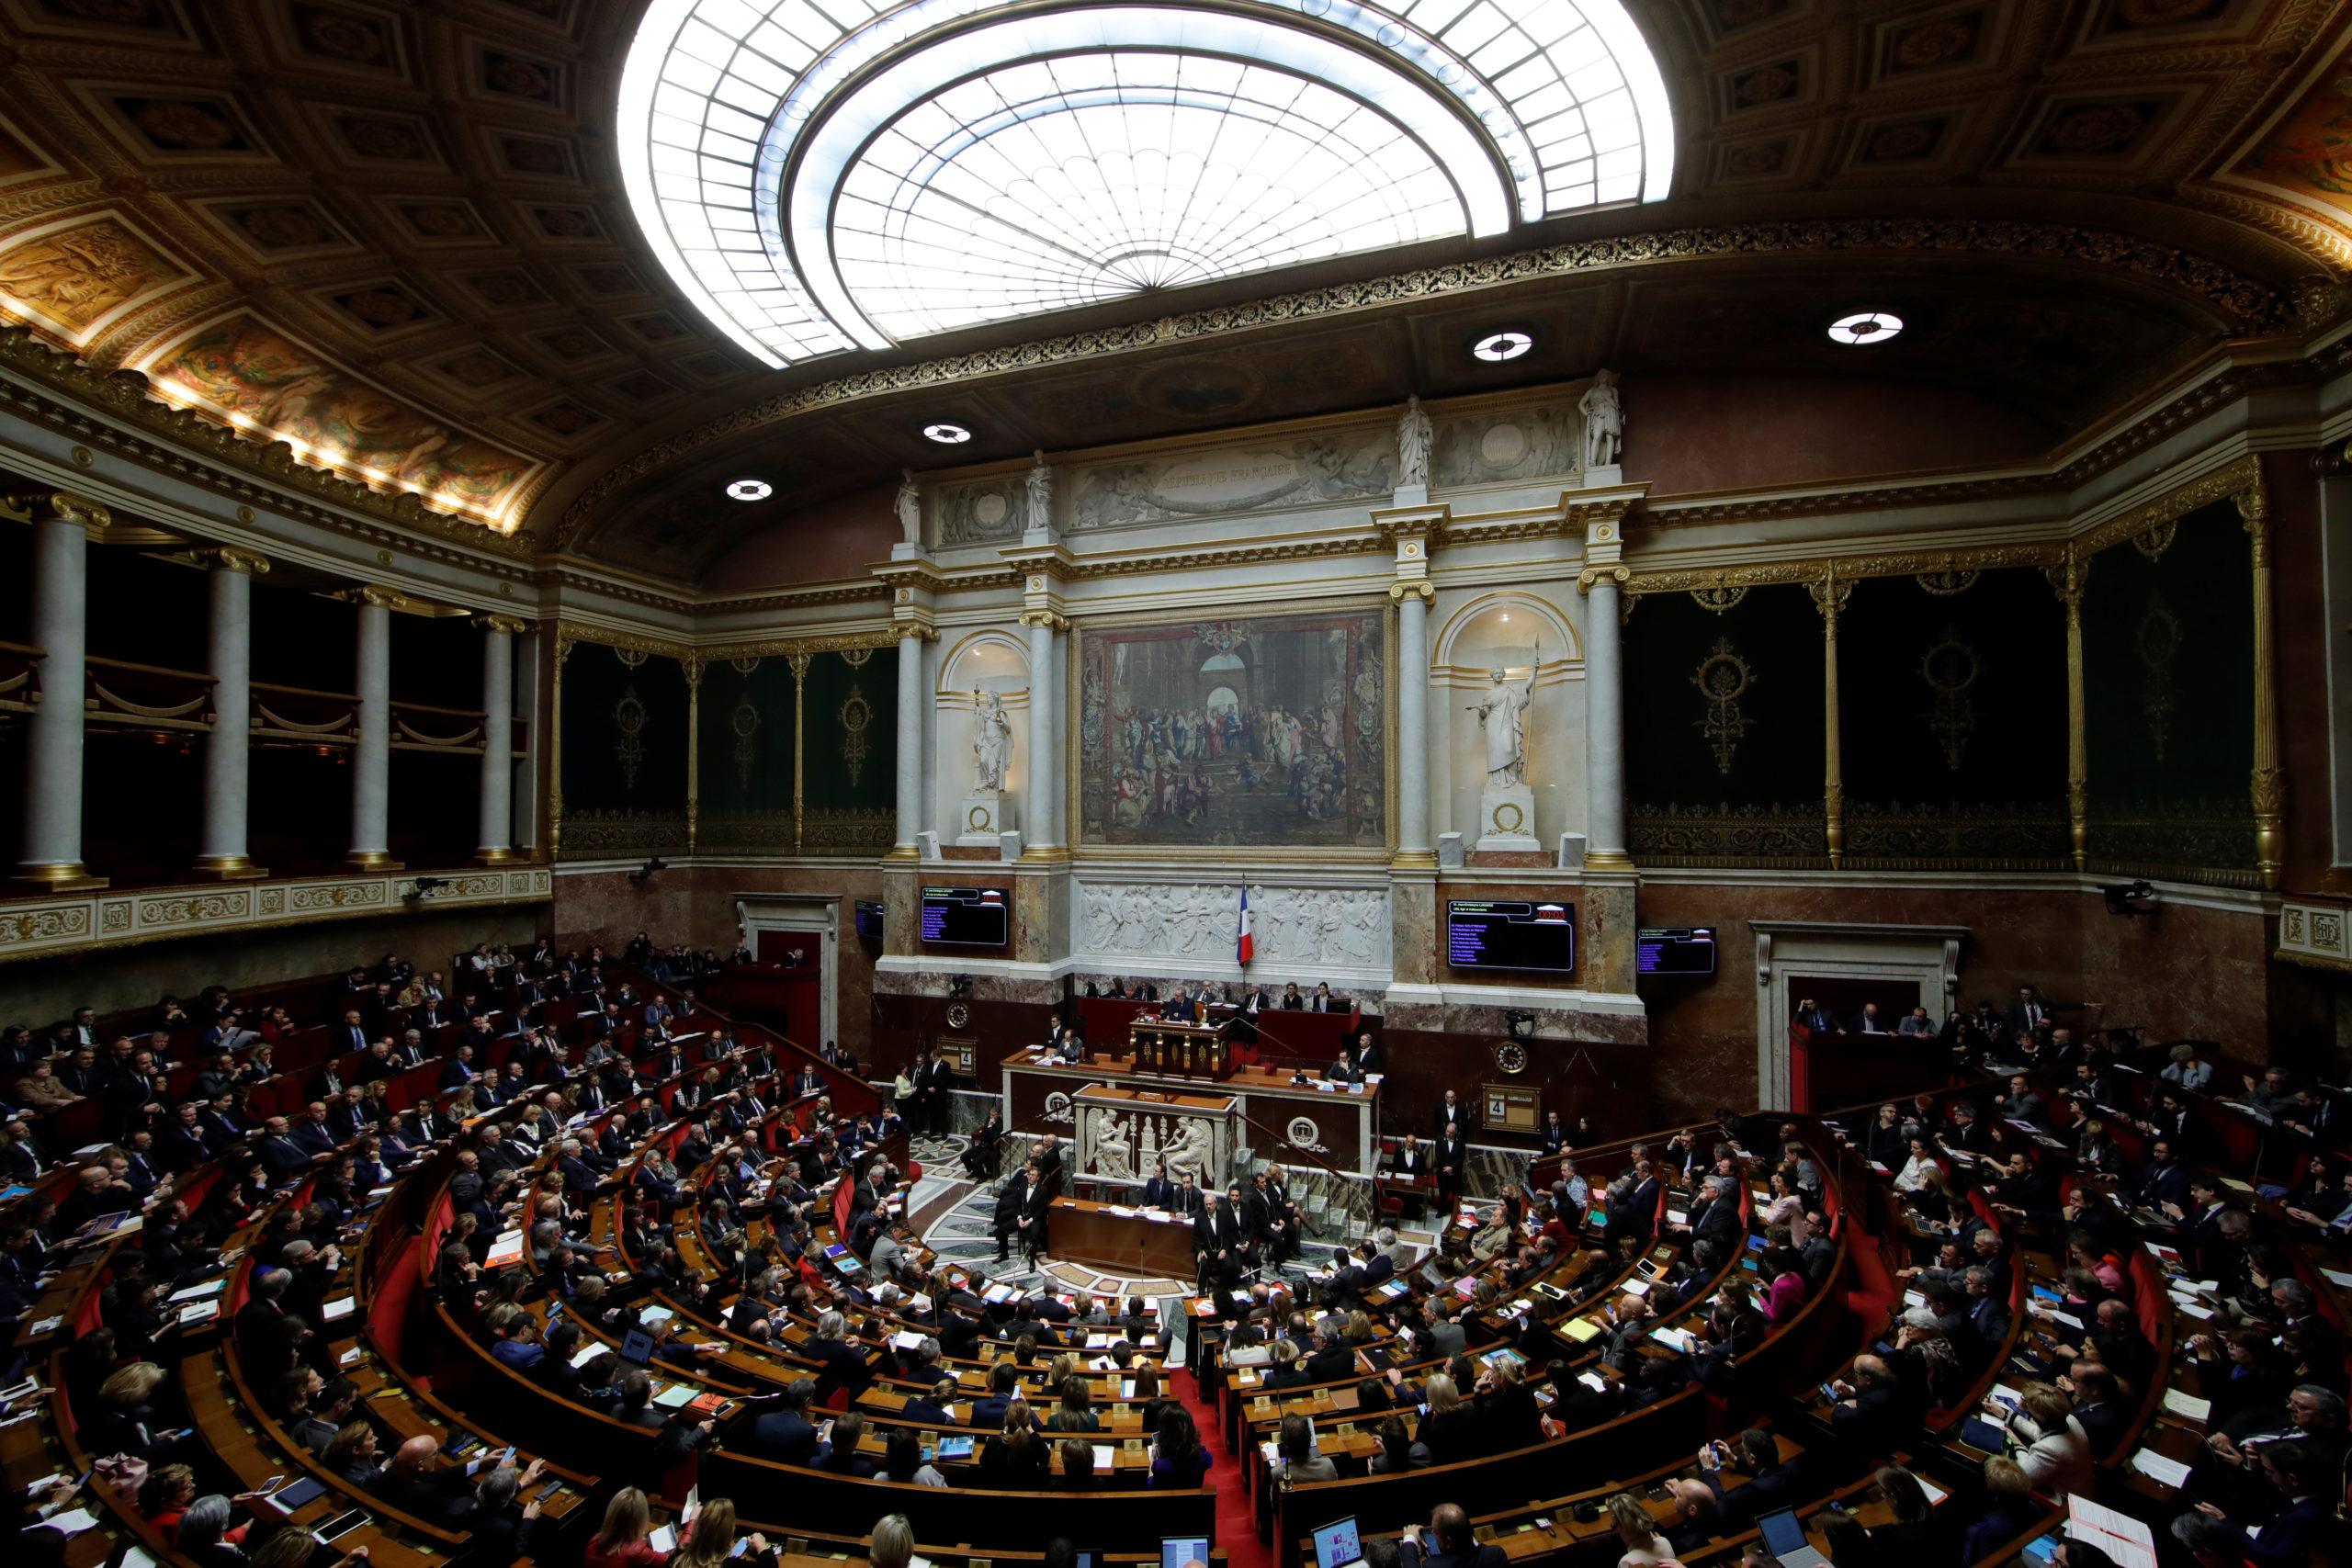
(1080, 1232)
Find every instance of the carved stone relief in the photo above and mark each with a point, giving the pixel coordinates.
(991, 509)
(1313, 928)
(1522, 444)
(1342, 466)
(1115, 1145)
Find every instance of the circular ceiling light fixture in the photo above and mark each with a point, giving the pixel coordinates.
(947, 435)
(1865, 326)
(749, 489)
(1496, 348)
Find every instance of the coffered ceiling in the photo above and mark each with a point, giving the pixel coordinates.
(392, 236)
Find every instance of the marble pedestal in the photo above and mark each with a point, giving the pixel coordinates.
(1507, 818)
(1604, 476)
(981, 818)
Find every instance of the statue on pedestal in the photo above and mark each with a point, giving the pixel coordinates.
(1040, 494)
(1413, 436)
(1605, 421)
(1503, 715)
(910, 507)
(991, 743)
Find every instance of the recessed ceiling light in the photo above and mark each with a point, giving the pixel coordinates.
(749, 489)
(947, 434)
(1502, 345)
(1865, 326)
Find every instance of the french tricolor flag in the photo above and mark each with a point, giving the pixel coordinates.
(1241, 946)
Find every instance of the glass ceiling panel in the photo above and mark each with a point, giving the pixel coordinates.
(1329, 148)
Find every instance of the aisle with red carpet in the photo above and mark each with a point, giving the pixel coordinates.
(1237, 1526)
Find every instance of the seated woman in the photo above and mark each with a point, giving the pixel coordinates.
(2057, 1452)
(1177, 1459)
(1014, 1461)
(2013, 1511)
(1076, 1412)
(1398, 1452)
(1296, 1460)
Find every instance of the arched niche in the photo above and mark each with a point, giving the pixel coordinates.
(990, 660)
(1517, 632)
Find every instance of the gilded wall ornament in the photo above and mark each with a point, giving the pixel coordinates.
(629, 723)
(1945, 585)
(745, 722)
(1950, 669)
(634, 658)
(2158, 539)
(1718, 598)
(856, 658)
(2157, 642)
(1721, 678)
(856, 713)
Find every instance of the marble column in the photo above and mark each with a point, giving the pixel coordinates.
(371, 757)
(911, 726)
(1038, 794)
(227, 751)
(1413, 723)
(63, 526)
(1604, 701)
(496, 839)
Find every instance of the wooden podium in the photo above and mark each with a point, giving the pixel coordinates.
(1180, 1050)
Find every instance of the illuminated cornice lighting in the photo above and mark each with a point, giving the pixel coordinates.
(1499, 346)
(817, 186)
(749, 489)
(947, 435)
(1865, 327)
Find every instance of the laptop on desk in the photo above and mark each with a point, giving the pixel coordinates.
(1784, 1537)
(1337, 1545)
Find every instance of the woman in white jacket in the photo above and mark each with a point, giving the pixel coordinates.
(2057, 1453)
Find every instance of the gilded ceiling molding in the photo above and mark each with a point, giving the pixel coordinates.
(123, 395)
(795, 599)
(802, 647)
(2240, 479)
(570, 634)
(2255, 308)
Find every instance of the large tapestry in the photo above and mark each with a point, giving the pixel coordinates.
(625, 740)
(1266, 730)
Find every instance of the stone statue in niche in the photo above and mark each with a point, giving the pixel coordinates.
(991, 743)
(1040, 494)
(910, 507)
(1413, 438)
(1503, 715)
(1605, 421)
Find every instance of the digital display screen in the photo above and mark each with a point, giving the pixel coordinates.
(965, 916)
(1503, 933)
(1675, 950)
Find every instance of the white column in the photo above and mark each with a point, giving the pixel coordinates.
(371, 759)
(52, 848)
(1412, 722)
(525, 777)
(1037, 804)
(495, 844)
(1604, 707)
(910, 690)
(222, 849)
(1058, 763)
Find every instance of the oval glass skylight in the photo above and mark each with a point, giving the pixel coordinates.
(862, 174)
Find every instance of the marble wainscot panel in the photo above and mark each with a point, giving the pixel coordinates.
(1485, 1009)
(1493, 1172)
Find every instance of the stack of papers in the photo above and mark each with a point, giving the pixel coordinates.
(2188, 1405)
(2156, 1467)
(2126, 1539)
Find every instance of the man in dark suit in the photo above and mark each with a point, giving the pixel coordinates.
(1715, 1217)
(1180, 1007)
(1447, 1543)
(1452, 1113)
(785, 1433)
(351, 1034)
(1450, 1161)
(1869, 1410)
(1013, 1207)
(1869, 1021)
(1813, 1017)
(1159, 1190)
(1770, 1484)
(988, 1414)
(1218, 1245)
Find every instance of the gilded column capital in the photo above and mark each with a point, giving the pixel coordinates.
(1052, 618)
(232, 557)
(60, 505)
(1618, 573)
(509, 623)
(378, 595)
(1829, 596)
(1419, 588)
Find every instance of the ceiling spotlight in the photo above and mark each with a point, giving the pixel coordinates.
(1865, 326)
(947, 435)
(1499, 346)
(749, 489)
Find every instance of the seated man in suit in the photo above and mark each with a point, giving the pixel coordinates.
(1161, 1192)
(1447, 1543)
(1771, 1484)
(1182, 1008)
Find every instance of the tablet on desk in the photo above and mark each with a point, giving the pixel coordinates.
(342, 1525)
(1184, 1550)
(299, 1493)
(1984, 1435)
(1337, 1545)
